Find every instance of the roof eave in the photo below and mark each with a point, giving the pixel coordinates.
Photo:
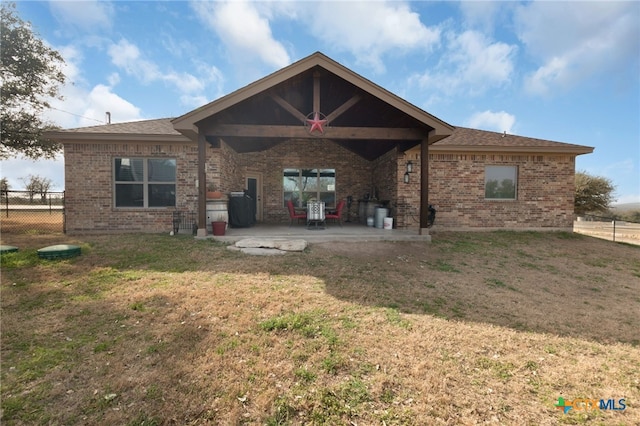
(79, 137)
(574, 150)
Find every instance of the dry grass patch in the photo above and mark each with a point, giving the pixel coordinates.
(473, 328)
(32, 222)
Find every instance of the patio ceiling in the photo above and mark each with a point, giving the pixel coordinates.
(361, 116)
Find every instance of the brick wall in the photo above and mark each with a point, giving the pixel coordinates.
(456, 184)
(89, 202)
(353, 173)
(545, 192)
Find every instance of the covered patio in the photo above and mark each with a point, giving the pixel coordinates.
(349, 232)
(314, 122)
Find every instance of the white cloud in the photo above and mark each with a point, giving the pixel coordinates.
(113, 79)
(481, 63)
(471, 64)
(128, 57)
(245, 31)
(184, 82)
(481, 14)
(85, 106)
(82, 107)
(499, 121)
(575, 41)
(86, 15)
(369, 30)
(102, 99)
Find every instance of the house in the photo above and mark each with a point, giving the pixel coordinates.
(313, 130)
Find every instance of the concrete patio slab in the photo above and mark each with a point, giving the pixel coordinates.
(333, 232)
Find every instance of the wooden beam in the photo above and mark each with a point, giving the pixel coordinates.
(288, 107)
(424, 186)
(342, 108)
(202, 185)
(316, 92)
(358, 133)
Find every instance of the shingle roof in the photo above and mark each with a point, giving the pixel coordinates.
(160, 126)
(159, 129)
(464, 139)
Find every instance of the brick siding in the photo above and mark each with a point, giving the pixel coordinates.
(545, 192)
(89, 201)
(456, 184)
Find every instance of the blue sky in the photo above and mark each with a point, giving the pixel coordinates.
(564, 71)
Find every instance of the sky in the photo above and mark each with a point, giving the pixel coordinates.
(563, 71)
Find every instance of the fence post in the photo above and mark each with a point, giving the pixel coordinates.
(64, 213)
(614, 230)
(6, 202)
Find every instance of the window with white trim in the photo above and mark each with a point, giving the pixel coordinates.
(500, 182)
(303, 185)
(144, 182)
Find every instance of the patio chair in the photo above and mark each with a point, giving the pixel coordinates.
(293, 214)
(337, 214)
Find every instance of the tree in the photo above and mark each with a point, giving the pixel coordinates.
(35, 184)
(30, 73)
(4, 188)
(593, 193)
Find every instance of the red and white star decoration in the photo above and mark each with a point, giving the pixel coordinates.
(316, 123)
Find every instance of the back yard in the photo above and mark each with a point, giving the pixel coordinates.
(474, 328)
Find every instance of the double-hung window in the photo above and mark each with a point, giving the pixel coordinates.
(500, 182)
(144, 182)
(303, 185)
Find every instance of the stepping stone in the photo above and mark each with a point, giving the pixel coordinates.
(291, 245)
(60, 251)
(7, 249)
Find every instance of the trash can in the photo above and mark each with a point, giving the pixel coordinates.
(381, 213)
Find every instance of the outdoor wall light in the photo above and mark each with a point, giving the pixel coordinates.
(409, 170)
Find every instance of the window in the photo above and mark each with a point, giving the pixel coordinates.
(302, 185)
(145, 182)
(500, 182)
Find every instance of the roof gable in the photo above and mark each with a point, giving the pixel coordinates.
(189, 122)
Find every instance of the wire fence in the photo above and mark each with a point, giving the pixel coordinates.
(608, 228)
(31, 212)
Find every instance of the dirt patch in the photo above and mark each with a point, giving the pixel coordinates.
(31, 222)
(561, 283)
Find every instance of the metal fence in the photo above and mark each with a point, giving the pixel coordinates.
(608, 228)
(31, 212)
